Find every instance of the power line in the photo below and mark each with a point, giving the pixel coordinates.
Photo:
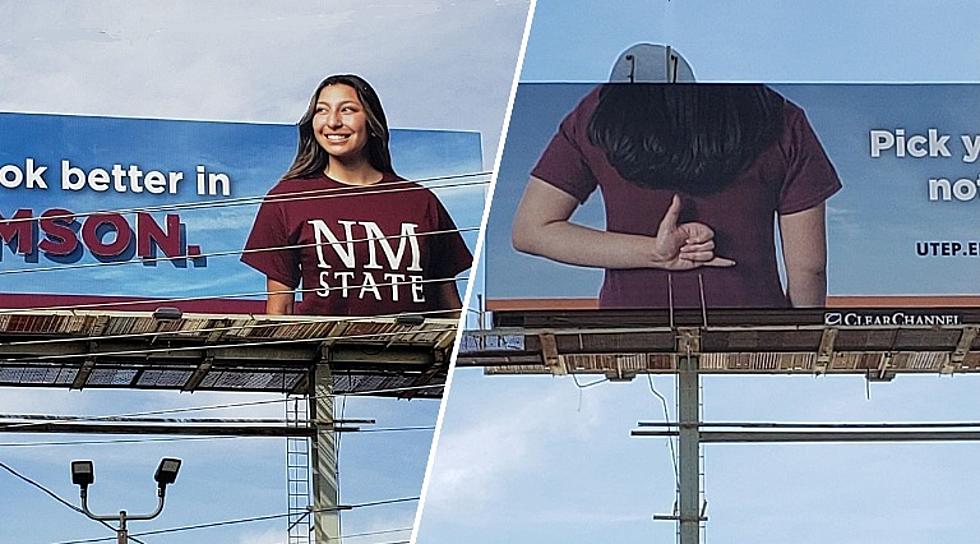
(248, 403)
(226, 253)
(374, 533)
(382, 430)
(115, 441)
(398, 429)
(46, 417)
(225, 296)
(55, 496)
(283, 197)
(248, 520)
(670, 441)
(587, 385)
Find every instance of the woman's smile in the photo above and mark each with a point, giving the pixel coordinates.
(340, 123)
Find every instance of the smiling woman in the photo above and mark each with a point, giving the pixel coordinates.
(344, 229)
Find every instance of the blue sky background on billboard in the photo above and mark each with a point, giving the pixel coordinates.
(436, 64)
(250, 156)
(534, 459)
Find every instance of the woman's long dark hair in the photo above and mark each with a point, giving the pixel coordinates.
(312, 160)
(694, 138)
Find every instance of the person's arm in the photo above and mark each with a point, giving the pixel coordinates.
(805, 254)
(281, 298)
(449, 299)
(541, 227)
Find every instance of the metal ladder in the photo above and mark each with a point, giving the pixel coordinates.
(298, 484)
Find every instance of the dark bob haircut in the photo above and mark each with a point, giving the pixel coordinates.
(694, 138)
(311, 159)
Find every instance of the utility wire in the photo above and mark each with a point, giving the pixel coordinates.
(47, 418)
(248, 403)
(398, 429)
(587, 385)
(227, 253)
(392, 187)
(225, 296)
(373, 533)
(670, 441)
(55, 496)
(247, 520)
(116, 441)
(383, 430)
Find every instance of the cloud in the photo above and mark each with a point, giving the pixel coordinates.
(172, 61)
(269, 536)
(498, 442)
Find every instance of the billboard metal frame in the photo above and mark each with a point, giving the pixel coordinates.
(622, 345)
(317, 358)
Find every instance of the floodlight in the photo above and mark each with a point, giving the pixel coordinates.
(410, 319)
(167, 313)
(166, 473)
(82, 473)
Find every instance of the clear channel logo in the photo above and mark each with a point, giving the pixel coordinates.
(894, 319)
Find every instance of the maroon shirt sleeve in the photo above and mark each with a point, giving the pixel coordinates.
(449, 255)
(271, 230)
(563, 163)
(810, 176)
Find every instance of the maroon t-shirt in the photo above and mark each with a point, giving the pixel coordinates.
(364, 250)
(792, 175)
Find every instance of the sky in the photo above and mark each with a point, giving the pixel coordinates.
(532, 459)
(436, 64)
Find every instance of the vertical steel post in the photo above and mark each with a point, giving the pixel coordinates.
(689, 447)
(323, 455)
(122, 534)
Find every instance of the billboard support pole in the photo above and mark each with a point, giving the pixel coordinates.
(323, 454)
(689, 516)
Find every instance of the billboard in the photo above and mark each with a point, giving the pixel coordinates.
(98, 212)
(885, 177)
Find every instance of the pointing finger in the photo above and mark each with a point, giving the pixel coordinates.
(720, 262)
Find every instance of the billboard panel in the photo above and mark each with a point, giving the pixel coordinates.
(894, 166)
(96, 211)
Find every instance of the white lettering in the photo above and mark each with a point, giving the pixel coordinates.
(72, 178)
(936, 144)
(396, 280)
(407, 235)
(345, 251)
(5, 176)
(418, 289)
(965, 189)
(98, 180)
(369, 285)
(34, 175)
(324, 290)
(345, 278)
(972, 147)
(117, 179)
(940, 184)
(155, 183)
(880, 141)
